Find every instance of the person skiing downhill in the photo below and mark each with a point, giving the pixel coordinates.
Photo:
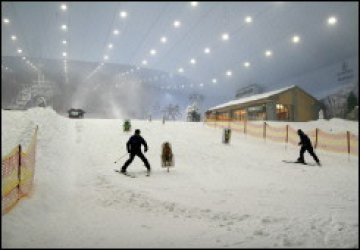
(133, 147)
(306, 145)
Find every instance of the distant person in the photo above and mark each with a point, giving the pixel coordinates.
(306, 145)
(133, 147)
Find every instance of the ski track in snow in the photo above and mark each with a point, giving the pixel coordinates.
(212, 198)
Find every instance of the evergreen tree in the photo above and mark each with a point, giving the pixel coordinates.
(352, 101)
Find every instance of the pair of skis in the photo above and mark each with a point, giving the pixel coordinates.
(130, 175)
(304, 163)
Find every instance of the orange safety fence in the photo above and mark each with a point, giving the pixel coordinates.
(276, 133)
(17, 174)
(344, 142)
(238, 126)
(332, 142)
(354, 144)
(254, 129)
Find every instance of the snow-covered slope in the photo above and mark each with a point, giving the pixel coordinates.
(236, 195)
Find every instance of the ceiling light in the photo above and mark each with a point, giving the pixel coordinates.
(247, 64)
(163, 39)
(110, 45)
(19, 51)
(207, 50)
(123, 14)
(63, 27)
(248, 19)
(194, 4)
(296, 39)
(332, 20)
(268, 53)
(192, 61)
(63, 7)
(225, 36)
(64, 42)
(106, 57)
(228, 73)
(180, 70)
(214, 80)
(64, 54)
(153, 52)
(116, 32)
(13, 38)
(177, 23)
(144, 62)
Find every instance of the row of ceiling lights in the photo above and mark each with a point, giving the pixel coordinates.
(64, 28)
(19, 50)
(225, 37)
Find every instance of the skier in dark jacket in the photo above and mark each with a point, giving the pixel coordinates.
(133, 147)
(306, 145)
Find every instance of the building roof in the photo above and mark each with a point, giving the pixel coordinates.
(252, 98)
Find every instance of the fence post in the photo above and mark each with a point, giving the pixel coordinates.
(245, 127)
(316, 137)
(264, 131)
(19, 172)
(287, 136)
(348, 143)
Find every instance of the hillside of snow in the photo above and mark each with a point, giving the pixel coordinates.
(238, 195)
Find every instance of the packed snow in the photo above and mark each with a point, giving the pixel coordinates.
(237, 195)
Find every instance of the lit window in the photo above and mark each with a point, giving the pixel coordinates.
(247, 64)
(248, 19)
(214, 80)
(144, 62)
(106, 57)
(64, 42)
(19, 51)
(6, 20)
(64, 27)
(177, 24)
(192, 61)
(64, 54)
(207, 50)
(110, 45)
(13, 38)
(24, 58)
(180, 70)
(282, 112)
(228, 73)
(296, 39)
(332, 20)
(63, 7)
(153, 52)
(194, 4)
(116, 32)
(225, 36)
(201, 85)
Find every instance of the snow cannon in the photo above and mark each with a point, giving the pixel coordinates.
(167, 156)
(127, 126)
(226, 135)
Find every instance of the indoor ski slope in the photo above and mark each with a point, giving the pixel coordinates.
(238, 195)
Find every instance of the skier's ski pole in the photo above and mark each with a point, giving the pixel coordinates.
(120, 158)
